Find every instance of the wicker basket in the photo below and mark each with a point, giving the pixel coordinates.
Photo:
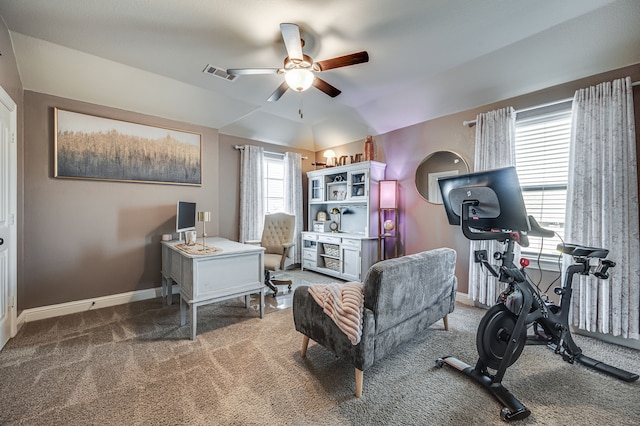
(331, 250)
(333, 264)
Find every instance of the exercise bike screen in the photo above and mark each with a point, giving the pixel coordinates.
(498, 196)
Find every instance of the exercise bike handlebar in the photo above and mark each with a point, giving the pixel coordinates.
(519, 236)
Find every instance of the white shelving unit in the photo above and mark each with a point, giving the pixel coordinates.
(348, 247)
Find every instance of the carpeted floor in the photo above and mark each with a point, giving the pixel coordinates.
(134, 365)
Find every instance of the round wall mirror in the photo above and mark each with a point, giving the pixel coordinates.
(436, 165)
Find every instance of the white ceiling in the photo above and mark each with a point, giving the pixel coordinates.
(428, 58)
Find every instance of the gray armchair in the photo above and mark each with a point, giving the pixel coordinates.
(277, 239)
(402, 298)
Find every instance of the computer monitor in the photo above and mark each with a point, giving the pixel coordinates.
(185, 216)
(496, 196)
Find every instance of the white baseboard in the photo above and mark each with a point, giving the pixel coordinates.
(51, 311)
(464, 299)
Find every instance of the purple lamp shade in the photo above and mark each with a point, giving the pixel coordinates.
(388, 194)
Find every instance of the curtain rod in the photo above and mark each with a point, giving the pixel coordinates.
(471, 123)
(240, 148)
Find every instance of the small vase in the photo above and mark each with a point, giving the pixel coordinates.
(368, 148)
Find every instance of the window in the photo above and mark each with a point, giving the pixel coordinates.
(542, 160)
(274, 184)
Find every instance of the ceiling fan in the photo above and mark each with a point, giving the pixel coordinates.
(299, 69)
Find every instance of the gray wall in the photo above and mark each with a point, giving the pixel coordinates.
(87, 239)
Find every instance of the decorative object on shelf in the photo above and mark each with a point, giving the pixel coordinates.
(322, 216)
(436, 165)
(368, 149)
(330, 156)
(335, 219)
(204, 217)
(388, 215)
(357, 158)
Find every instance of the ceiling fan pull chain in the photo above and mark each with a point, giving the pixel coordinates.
(300, 109)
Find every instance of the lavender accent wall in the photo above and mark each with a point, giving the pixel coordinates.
(423, 226)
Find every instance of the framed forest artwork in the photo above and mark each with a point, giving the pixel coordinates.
(101, 148)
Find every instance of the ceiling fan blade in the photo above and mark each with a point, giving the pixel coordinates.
(291, 37)
(343, 61)
(252, 71)
(325, 87)
(279, 92)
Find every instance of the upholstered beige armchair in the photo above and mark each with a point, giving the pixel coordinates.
(277, 239)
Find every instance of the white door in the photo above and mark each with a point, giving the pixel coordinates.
(8, 233)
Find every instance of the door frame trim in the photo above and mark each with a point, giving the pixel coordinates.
(11, 106)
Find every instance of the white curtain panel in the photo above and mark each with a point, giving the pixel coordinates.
(293, 197)
(495, 141)
(251, 193)
(602, 206)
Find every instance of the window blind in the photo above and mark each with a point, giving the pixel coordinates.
(542, 159)
(274, 184)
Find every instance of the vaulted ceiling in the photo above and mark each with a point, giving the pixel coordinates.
(428, 58)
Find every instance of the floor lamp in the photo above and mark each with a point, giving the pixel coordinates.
(388, 215)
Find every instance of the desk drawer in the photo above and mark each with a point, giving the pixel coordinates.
(327, 239)
(351, 242)
(309, 237)
(309, 264)
(309, 254)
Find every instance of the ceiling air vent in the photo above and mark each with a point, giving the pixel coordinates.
(218, 72)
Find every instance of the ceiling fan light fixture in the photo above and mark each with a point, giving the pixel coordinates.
(299, 79)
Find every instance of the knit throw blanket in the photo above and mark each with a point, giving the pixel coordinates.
(344, 303)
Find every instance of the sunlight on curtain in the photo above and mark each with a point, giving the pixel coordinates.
(251, 193)
(293, 197)
(602, 206)
(495, 142)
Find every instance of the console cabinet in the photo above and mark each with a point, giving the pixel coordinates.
(342, 223)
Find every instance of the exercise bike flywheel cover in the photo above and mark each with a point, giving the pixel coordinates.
(494, 333)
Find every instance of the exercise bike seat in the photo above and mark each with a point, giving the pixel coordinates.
(583, 251)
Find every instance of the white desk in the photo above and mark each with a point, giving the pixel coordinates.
(237, 270)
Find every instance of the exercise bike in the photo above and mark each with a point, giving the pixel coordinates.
(503, 330)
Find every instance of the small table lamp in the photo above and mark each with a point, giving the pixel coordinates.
(204, 217)
(330, 156)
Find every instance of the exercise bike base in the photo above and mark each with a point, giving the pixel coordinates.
(513, 408)
(607, 369)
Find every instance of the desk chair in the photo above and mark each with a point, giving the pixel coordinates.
(277, 239)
